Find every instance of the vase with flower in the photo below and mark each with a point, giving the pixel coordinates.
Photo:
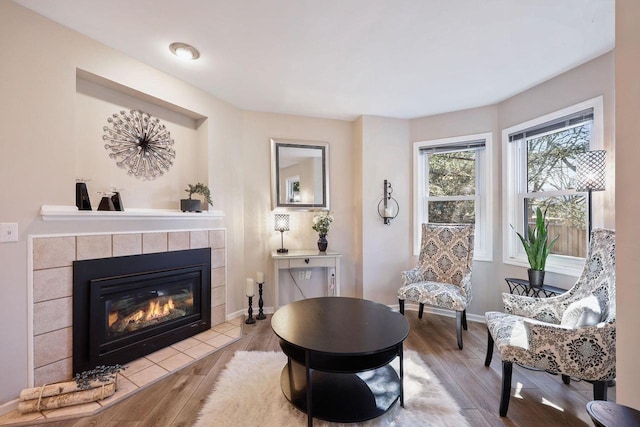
(321, 223)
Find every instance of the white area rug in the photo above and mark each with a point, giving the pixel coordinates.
(248, 393)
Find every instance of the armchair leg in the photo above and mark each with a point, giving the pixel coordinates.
(507, 368)
(600, 390)
(401, 303)
(459, 321)
(487, 359)
(420, 311)
(566, 379)
(464, 319)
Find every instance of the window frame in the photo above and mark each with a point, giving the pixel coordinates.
(514, 176)
(483, 247)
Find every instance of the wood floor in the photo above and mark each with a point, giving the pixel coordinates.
(537, 399)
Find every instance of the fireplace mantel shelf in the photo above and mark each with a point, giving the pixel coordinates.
(71, 213)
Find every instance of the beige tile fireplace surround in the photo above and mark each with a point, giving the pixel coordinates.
(50, 301)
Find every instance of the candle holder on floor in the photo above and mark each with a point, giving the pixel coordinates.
(250, 319)
(261, 314)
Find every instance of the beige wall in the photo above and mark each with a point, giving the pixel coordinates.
(628, 200)
(385, 249)
(260, 237)
(38, 156)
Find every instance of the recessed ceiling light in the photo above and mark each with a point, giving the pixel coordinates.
(184, 51)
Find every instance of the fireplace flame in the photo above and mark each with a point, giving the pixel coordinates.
(157, 309)
(148, 313)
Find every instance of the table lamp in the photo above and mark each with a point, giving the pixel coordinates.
(281, 224)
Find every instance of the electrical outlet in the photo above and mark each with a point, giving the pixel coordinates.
(9, 232)
(307, 274)
(300, 275)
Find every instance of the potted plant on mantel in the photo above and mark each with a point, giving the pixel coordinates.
(537, 247)
(194, 205)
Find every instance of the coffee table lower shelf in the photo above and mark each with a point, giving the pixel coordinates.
(342, 397)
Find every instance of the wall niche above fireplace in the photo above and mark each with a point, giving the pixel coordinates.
(127, 307)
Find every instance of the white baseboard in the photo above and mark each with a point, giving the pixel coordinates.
(408, 306)
(10, 406)
(244, 312)
(439, 311)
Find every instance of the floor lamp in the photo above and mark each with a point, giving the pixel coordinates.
(590, 169)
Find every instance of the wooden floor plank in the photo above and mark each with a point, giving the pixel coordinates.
(540, 399)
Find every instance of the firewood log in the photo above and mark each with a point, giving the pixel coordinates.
(67, 399)
(57, 388)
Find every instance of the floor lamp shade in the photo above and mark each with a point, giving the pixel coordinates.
(590, 170)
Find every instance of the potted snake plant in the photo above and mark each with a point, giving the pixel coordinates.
(537, 247)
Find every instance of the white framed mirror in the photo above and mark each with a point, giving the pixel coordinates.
(299, 174)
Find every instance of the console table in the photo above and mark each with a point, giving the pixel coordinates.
(307, 258)
(522, 287)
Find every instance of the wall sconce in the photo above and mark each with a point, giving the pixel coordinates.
(590, 168)
(281, 224)
(386, 208)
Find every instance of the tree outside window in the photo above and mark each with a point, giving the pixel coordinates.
(452, 186)
(551, 179)
(539, 170)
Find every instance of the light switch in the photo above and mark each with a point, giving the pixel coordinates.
(307, 274)
(9, 232)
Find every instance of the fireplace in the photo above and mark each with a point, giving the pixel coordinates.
(127, 307)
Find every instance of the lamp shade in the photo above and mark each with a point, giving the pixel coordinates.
(590, 168)
(281, 222)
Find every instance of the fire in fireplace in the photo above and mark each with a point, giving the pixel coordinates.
(127, 307)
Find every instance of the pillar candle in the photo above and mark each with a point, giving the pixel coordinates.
(260, 277)
(249, 287)
(388, 212)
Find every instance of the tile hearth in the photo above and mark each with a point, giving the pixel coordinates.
(143, 372)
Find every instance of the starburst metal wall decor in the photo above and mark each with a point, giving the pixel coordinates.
(139, 143)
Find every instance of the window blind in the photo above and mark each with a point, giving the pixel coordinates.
(450, 148)
(563, 122)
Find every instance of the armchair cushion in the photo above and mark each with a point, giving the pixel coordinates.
(583, 312)
(443, 295)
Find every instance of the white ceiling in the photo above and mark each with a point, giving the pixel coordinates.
(344, 58)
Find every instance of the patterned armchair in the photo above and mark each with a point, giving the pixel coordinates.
(442, 277)
(572, 334)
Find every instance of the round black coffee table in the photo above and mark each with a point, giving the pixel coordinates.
(610, 414)
(338, 351)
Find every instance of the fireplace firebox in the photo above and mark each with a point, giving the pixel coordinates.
(130, 306)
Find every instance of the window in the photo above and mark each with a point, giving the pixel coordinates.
(451, 179)
(540, 171)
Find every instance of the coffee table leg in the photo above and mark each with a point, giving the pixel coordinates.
(309, 390)
(401, 375)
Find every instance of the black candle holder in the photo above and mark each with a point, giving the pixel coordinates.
(261, 314)
(250, 319)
